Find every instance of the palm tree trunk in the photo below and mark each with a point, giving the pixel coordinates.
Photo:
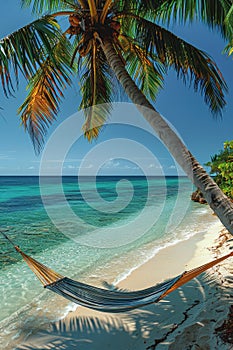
(218, 202)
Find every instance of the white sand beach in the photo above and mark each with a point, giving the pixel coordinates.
(186, 319)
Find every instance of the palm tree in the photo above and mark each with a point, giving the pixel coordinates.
(109, 41)
(216, 14)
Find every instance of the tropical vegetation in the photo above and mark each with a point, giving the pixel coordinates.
(125, 44)
(221, 167)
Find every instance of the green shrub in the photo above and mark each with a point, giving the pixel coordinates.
(221, 165)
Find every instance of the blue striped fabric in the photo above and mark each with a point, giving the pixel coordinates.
(109, 300)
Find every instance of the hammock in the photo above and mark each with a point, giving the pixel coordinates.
(109, 300)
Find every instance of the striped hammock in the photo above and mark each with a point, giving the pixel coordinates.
(109, 300)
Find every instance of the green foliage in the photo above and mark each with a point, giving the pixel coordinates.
(192, 65)
(45, 91)
(216, 14)
(96, 88)
(138, 31)
(25, 49)
(221, 165)
(43, 6)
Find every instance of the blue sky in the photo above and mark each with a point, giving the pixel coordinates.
(180, 105)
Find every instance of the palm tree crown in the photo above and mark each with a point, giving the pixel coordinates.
(47, 55)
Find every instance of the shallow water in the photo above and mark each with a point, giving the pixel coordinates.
(147, 214)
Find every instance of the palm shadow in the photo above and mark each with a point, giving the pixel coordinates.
(144, 328)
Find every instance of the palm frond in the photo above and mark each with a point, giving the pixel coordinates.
(216, 14)
(229, 16)
(229, 25)
(147, 72)
(24, 50)
(49, 6)
(229, 48)
(191, 64)
(45, 93)
(97, 90)
(93, 11)
(132, 6)
(108, 4)
(212, 13)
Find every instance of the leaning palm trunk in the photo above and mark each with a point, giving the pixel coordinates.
(218, 202)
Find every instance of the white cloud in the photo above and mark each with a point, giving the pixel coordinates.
(111, 164)
(151, 165)
(89, 166)
(133, 167)
(31, 167)
(116, 164)
(5, 157)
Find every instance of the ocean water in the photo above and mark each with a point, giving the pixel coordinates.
(96, 230)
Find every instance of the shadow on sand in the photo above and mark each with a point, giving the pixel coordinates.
(187, 316)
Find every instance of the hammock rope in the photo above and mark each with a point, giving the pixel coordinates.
(109, 300)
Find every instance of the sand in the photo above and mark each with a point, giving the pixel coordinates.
(193, 317)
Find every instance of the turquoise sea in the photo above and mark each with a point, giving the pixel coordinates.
(148, 214)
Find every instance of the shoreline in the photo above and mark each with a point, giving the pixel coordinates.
(160, 323)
